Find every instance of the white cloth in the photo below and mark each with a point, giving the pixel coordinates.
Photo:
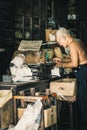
(55, 71)
(21, 73)
(18, 60)
(19, 70)
(31, 118)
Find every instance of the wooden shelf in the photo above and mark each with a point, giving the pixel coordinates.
(31, 19)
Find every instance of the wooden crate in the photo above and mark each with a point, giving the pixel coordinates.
(20, 112)
(6, 108)
(6, 114)
(64, 87)
(50, 116)
(50, 35)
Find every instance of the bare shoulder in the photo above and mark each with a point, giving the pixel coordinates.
(74, 44)
(77, 43)
(75, 47)
(81, 45)
(78, 46)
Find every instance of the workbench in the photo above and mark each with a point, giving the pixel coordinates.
(39, 85)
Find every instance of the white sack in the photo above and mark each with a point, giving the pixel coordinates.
(31, 118)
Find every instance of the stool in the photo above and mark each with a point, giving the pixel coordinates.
(71, 104)
(33, 99)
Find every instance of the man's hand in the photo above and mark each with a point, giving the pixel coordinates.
(57, 59)
(58, 62)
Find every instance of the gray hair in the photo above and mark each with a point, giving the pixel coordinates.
(63, 30)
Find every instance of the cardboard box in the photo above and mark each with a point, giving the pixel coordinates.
(31, 51)
(32, 45)
(50, 35)
(64, 87)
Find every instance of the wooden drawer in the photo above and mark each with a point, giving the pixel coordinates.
(64, 87)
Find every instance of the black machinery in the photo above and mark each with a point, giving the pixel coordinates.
(41, 71)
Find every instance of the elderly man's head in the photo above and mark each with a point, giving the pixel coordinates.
(62, 31)
(62, 36)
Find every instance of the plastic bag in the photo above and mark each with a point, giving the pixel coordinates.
(31, 117)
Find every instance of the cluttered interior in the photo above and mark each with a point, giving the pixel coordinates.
(43, 66)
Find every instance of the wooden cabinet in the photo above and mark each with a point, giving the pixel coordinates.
(22, 28)
(23, 21)
(35, 28)
(31, 19)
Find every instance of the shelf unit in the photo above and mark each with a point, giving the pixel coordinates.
(31, 19)
(22, 28)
